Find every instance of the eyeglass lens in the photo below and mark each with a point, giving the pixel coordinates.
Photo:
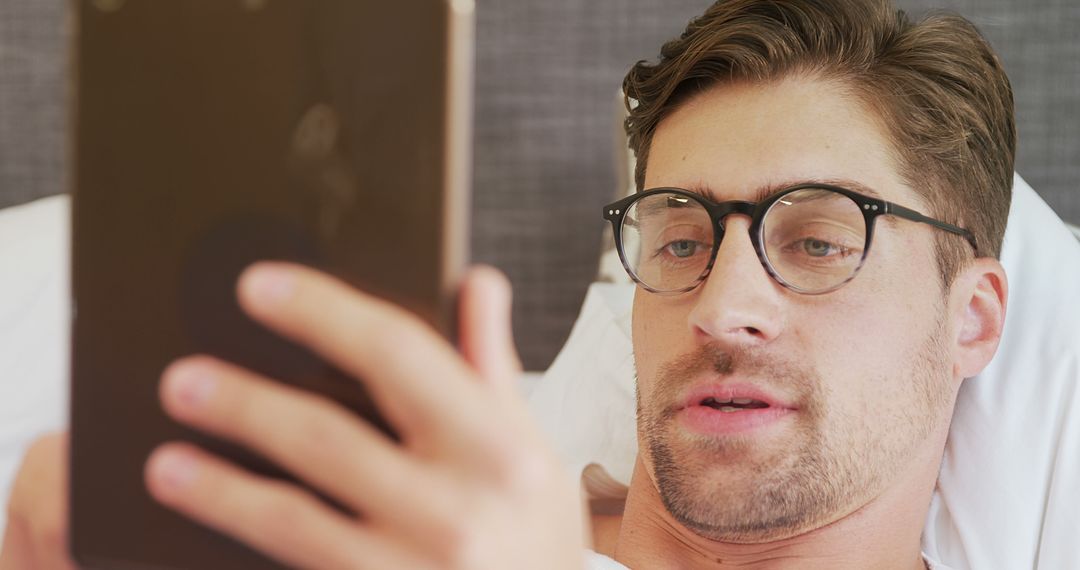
(812, 238)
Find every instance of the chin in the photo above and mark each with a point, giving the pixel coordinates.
(737, 490)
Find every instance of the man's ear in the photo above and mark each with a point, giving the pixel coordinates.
(978, 299)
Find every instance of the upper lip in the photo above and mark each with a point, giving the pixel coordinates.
(725, 391)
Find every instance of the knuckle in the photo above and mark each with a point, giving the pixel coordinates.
(240, 416)
(461, 545)
(277, 516)
(319, 435)
(519, 470)
(401, 331)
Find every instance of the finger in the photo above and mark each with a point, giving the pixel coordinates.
(315, 439)
(486, 334)
(38, 506)
(274, 517)
(418, 381)
(16, 552)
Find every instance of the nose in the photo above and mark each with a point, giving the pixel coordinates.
(739, 304)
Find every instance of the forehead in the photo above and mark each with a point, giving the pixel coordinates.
(736, 141)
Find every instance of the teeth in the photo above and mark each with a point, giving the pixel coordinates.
(732, 404)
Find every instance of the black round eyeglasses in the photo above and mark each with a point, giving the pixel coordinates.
(811, 238)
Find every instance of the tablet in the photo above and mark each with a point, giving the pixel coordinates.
(213, 133)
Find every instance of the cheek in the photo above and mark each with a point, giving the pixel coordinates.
(854, 339)
(889, 304)
(659, 331)
(868, 353)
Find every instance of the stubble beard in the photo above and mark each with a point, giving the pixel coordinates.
(834, 464)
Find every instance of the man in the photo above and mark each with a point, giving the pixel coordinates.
(825, 188)
(839, 371)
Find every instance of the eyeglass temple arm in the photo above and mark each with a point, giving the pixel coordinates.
(909, 214)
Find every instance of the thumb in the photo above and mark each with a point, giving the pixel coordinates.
(36, 536)
(487, 340)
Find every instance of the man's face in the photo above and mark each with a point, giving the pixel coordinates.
(857, 381)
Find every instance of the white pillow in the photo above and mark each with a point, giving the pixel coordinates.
(34, 316)
(1009, 491)
(585, 400)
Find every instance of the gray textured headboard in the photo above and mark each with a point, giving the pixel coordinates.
(547, 72)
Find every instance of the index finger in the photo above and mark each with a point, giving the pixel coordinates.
(416, 378)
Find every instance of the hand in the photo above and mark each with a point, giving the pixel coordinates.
(472, 485)
(36, 534)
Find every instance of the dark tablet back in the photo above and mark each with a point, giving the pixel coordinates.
(213, 133)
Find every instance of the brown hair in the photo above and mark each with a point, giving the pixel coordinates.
(936, 85)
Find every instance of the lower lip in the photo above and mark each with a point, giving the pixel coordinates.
(709, 421)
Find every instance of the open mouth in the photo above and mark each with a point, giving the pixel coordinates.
(721, 409)
(734, 404)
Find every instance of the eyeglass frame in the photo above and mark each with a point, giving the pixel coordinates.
(870, 207)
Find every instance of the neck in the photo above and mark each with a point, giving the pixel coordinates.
(885, 533)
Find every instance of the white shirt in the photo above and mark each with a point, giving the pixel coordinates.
(597, 561)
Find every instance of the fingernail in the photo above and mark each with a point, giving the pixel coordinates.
(174, 468)
(269, 284)
(192, 385)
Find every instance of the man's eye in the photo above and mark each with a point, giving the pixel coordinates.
(817, 248)
(682, 248)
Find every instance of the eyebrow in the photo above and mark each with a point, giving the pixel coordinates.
(763, 192)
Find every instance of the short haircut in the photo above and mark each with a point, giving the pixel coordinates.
(936, 85)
